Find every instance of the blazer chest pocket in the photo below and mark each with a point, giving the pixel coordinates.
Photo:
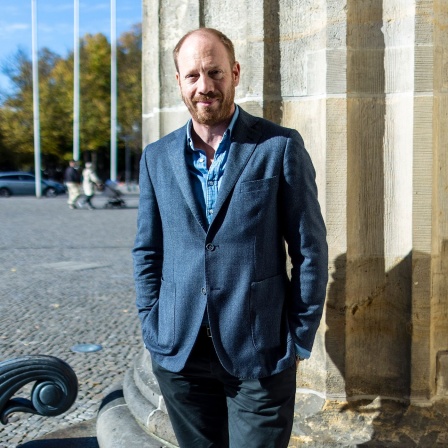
(259, 185)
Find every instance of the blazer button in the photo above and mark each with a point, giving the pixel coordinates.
(210, 247)
(204, 291)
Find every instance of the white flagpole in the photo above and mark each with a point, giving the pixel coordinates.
(36, 117)
(113, 93)
(76, 83)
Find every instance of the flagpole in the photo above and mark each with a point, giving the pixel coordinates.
(76, 83)
(113, 93)
(36, 117)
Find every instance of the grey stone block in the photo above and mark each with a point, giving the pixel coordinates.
(117, 427)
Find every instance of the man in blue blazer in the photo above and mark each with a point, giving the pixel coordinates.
(221, 200)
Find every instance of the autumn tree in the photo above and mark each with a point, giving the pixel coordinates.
(129, 56)
(56, 102)
(95, 92)
(16, 114)
(129, 114)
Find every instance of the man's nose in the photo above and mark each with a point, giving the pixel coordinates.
(205, 85)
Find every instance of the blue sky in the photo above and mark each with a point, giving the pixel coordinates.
(55, 24)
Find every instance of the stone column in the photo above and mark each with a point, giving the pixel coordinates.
(379, 192)
(164, 23)
(366, 84)
(430, 205)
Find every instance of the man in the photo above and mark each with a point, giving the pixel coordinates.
(218, 199)
(72, 180)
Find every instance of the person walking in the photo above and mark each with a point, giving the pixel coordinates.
(223, 322)
(89, 181)
(72, 180)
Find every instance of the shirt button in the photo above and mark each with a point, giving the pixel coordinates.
(211, 182)
(204, 291)
(210, 212)
(210, 247)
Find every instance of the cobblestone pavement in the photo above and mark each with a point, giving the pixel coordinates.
(66, 278)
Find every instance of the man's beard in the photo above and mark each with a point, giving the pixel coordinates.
(210, 116)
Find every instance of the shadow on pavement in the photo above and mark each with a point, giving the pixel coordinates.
(81, 435)
(79, 442)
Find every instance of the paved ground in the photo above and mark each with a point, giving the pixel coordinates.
(66, 278)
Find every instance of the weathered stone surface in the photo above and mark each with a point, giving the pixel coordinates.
(365, 82)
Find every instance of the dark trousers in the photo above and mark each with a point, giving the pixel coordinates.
(88, 200)
(208, 407)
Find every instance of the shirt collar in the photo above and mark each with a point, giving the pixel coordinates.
(228, 131)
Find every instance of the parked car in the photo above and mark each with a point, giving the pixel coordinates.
(20, 183)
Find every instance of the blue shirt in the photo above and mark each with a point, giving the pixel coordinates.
(206, 181)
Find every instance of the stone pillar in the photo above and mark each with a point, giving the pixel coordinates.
(366, 84)
(430, 217)
(164, 23)
(379, 208)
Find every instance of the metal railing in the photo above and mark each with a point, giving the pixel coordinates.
(54, 391)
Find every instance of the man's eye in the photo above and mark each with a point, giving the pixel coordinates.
(216, 74)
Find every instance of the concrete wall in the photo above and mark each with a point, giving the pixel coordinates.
(365, 82)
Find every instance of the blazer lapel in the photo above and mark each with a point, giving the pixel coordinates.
(180, 168)
(244, 141)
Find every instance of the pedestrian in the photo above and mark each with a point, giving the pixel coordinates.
(223, 322)
(89, 181)
(72, 180)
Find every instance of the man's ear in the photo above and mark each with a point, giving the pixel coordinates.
(236, 73)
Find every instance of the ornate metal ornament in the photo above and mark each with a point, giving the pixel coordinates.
(54, 391)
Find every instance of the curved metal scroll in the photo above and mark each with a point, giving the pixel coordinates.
(54, 391)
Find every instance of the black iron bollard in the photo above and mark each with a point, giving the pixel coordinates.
(54, 391)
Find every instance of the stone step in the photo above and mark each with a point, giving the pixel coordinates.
(135, 411)
(80, 435)
(133, 415)
(146, 381)
(117, 427)
(145, 401)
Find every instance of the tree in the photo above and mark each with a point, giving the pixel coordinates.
(95, 92)
(129, 56)
(17, 121)
(56, 110)
(56, 102)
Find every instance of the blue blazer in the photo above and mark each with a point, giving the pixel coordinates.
(235, 267)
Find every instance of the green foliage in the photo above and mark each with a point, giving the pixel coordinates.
(129, 57)
(95, 92)
(16, 115)
(56, 96)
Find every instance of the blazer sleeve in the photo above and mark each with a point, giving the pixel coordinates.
(148, 247)
(305, 234)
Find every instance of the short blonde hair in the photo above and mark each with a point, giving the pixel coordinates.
(214, 32)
